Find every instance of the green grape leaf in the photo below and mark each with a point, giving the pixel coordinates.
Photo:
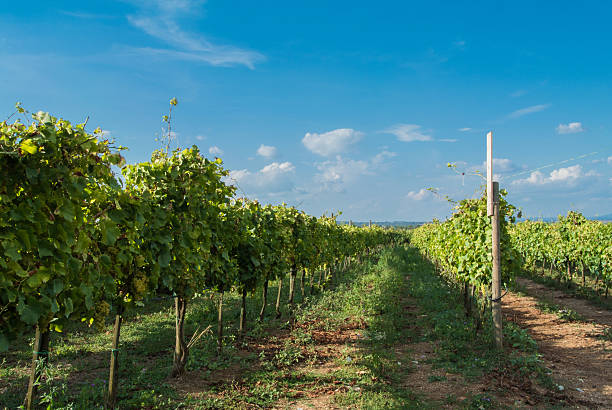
(44, 250)
(68, 307)
(28, 313)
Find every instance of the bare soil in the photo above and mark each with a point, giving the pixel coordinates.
(576, 352)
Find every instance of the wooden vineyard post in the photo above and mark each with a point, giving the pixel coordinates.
(264, 297)
(40, 358)
(496, 280)
(180, 348)
(243, 315)
(493, 212)
(113, 377)
(220, 325)
(278, 297)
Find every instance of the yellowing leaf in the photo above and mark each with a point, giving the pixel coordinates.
(27, 146)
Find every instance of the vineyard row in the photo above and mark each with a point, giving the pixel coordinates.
(80, 244)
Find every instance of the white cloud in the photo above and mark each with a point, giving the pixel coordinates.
(567, 176)
(273, 178)
(571, 128)
(448, 139)
(159, 19)
(418, 196)
(266, 151)
(277, 168)
(408, 133)
(502, 165)
(335, 174)
(239, 174)
(331, 142)
(528, 110)
(535, 178)
(214, 150)
(610, 160)
(465, 129)
(200, 137)
(342, 170)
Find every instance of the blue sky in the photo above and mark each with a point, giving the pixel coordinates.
(330, 106)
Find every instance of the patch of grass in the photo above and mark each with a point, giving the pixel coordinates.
(372, 399)
(561, 312)
(519, 338)
(481, 401)
(606, 334)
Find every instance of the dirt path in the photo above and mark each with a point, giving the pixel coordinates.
(583, 307)
(576, 352)
(436, 387)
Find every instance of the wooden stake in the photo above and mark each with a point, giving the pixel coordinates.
(278, 297)
(265, 300)
(40, 358)
(311, 283)
(302, 282)
(496, 271)
(292, 277)
(242, 324)
(180, 346)
(114, 363)
(220, 326)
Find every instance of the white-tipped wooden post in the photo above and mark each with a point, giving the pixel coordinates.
(493, 212)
